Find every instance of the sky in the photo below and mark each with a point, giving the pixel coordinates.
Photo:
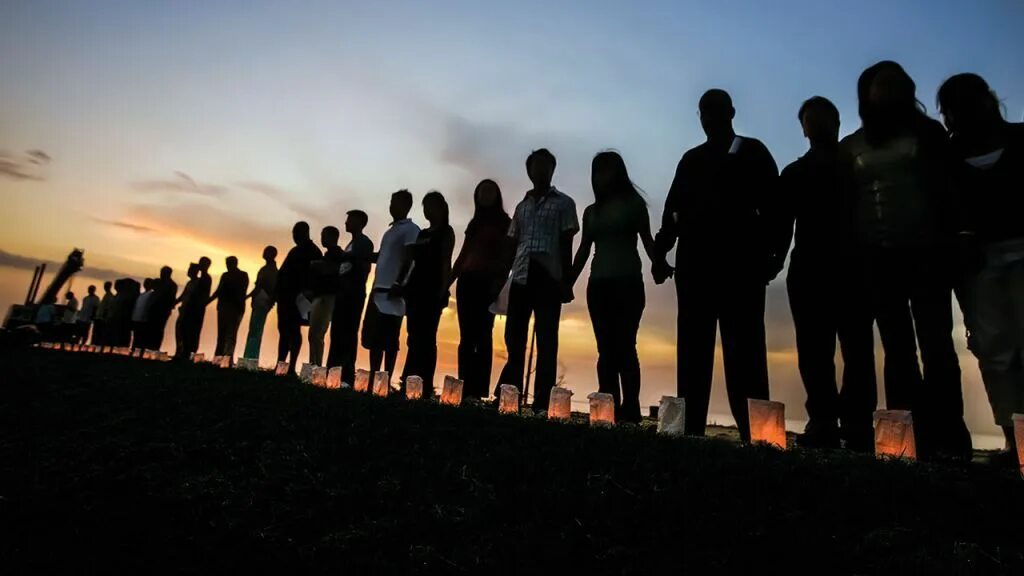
(171, 130)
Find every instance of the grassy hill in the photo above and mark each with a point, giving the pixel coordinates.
(113, 464)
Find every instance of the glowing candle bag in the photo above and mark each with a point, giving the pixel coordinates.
(362, 383)
(602, 409)
(559, 405)
(451, 393)
(1018, 434)
(767, 422)
(381, 384)
(414, 387)
(508, 399)
(894, 434)
(306, 372)
(334, 378)
(318, 376)
(282, 369)
(672, 416)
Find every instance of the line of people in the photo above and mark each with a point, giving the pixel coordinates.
(883, 226)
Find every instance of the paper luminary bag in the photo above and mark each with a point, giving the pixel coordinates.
(1018, 434)
(414, 387)
(602, 409)
(197, 357)
(672, 416)
(318, 377)
(282, 369)
(894, 434)
(381, 384)
(250, 364)
(334, 378)
(560, 404)
(508, 399)
(362, 383)
(767, 422)
(451, 393)
(306, 372)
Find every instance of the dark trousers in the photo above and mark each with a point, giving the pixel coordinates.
(735, 304)
(348, 311)
(912, 302)
(476, 328)
(825, 308)
(99, 335)
(540, 297)
(140, 334)
(157, 328)
(228, 321)
(289, 328)
(422, 320)
(189, 328)
(616, 306)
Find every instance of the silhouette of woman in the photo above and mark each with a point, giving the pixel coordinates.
(478, 271)
(615, 292)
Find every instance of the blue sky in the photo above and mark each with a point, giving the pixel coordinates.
(178, 128)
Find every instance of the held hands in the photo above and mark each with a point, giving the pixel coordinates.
(567, 293)
(662, 271)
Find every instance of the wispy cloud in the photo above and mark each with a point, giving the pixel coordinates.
(181, 183)
(125, 225)
(280, 196)
(28, 166)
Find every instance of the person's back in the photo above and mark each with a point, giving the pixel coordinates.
(293, 276)
(231, 292)
(90, 304)
(811, 185)
(432, 258)
(990, 187)
(360, 251)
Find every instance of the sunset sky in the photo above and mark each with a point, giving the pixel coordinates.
(172, 130)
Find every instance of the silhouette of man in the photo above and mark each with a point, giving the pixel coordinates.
(348, 306)
(717, 208)
(262, 301)
(540, 239)
(230, 297)
(821, 295)
(86, 316)
(100, 331)
(325, 282)
(141, 316)
(165, 291)
(193, 307)
(293, 280)
(127, 295)
(185, 300)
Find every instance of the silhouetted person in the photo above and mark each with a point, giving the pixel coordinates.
(822, 297)
(386, 307)
(100, 331)
(540, 239)
(480, 279)
(193, 307)
(165, 292)
(70, 309)
(292, 281)
(348, 306)
(230, 297)
(897, 173)
(324, 285)
(46, 319)
(717, 208)
(185, 302)
(124, 307)
(262, 301)
(990, 174)
(426, 292)
(141, 317)
(615, 291)
(87, 315)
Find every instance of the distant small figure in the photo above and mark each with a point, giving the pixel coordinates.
(384, 311)
(615, 293)
(292, 281)
(165, 292)
(87, 315)
(426, 291)
(718, 207)
(262, 296)
(140, 316)
(70, 309)
(101, 326)
(230, 297)
(480, 278)
(822, 291)
(324, 285)
(348, 306)
(990, 177)
(539, 253)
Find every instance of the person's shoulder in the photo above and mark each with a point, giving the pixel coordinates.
(795, 168)
(852, 142)
(564, 198)
(1015, 133)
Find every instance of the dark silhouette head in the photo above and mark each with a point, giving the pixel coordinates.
(968, 106)
(69, 295)
(270, 254)
(487, 200)
(401, 204)
(819, 118)
(887, 102)
(92, 290)
(329, 237)
(193, 271)
(232, 263)
(204, 264)
(356, 221)
(435, 208)
(716, 114)
(108, 286)
(300, 233)
(165, 273)
(147, 284)
(540, 167)
(609, 177)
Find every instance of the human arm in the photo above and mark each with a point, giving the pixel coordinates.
(583, 252)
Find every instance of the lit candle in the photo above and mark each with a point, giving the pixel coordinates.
(894, 434)
(602, 409)
(508, 399)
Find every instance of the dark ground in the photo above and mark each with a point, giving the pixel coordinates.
(111, 464)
